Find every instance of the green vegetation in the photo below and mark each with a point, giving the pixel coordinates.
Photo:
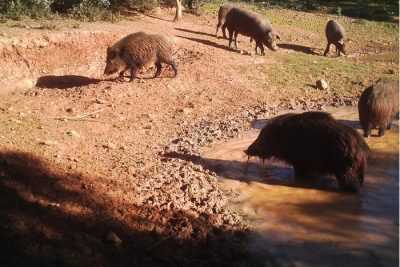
(380, 10)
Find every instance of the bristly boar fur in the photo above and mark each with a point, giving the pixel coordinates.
(138, 50)
(223, 10)
(378, 106)
(250, 24)
(314, 142)
(335, 34)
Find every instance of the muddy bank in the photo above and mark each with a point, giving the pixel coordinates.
(23, 61)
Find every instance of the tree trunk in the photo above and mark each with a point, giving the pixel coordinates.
(178, 13)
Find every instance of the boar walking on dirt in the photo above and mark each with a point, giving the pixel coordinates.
(138, 50)
(378, 106)
(314, 142)
(252, 25)
(335, 34)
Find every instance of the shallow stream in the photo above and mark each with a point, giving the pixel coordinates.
(315, 224)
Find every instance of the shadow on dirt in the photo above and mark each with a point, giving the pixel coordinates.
(268, 172)
(49, 217)
(195, 32)
(299, 48)
(52, 217)
(64, 81)
(207, 42)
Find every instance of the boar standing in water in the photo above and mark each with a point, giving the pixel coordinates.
(314, 142)
(252, 25)
(138, 50)
(335, 34)
(378, 106)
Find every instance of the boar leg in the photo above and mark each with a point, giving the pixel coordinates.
(337, 50)
(367, 131)
(224, 30)
(133, 72)
(260, 45)
(327, 49)
(216, 32)
(235, 36)
(173, 65)
(230, 37)
(389, 126)
(158, 71)
(348, 182)
(381, 131)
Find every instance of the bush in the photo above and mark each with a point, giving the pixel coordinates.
(16, 9)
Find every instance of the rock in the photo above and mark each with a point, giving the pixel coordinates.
(322, 84)
(113, 238)
(73, 134)
(69, 110)
(110, 146)
(48, 143)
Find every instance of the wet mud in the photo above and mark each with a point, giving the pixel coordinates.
(313, 223)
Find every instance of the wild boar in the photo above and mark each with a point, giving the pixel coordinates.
(314, 142)
(138, 50)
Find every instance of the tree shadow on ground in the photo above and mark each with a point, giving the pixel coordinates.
(50, 217)
(195, 32)
(64, 81)
(207, 42)
(299, 48)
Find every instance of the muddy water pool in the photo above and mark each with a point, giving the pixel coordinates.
(314, 224)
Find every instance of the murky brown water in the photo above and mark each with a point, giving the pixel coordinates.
(314, 224)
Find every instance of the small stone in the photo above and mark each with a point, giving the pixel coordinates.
(69, 110)
(322, 84)
(390, 71)
(114, 239)
(48, 143)
(110, 146)
(73, 134)
(100, 101)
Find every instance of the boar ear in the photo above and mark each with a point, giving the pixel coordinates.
(270, 35)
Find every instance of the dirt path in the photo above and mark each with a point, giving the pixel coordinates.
(88, 167)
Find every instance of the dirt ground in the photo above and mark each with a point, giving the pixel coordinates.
(96, 172)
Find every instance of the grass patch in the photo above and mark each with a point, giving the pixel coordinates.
(359, 29)
(300, 72)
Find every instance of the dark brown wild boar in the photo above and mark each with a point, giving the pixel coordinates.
(138, 50)
(378, 106)
(251, 24)
(335, 34)
(314, 142)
